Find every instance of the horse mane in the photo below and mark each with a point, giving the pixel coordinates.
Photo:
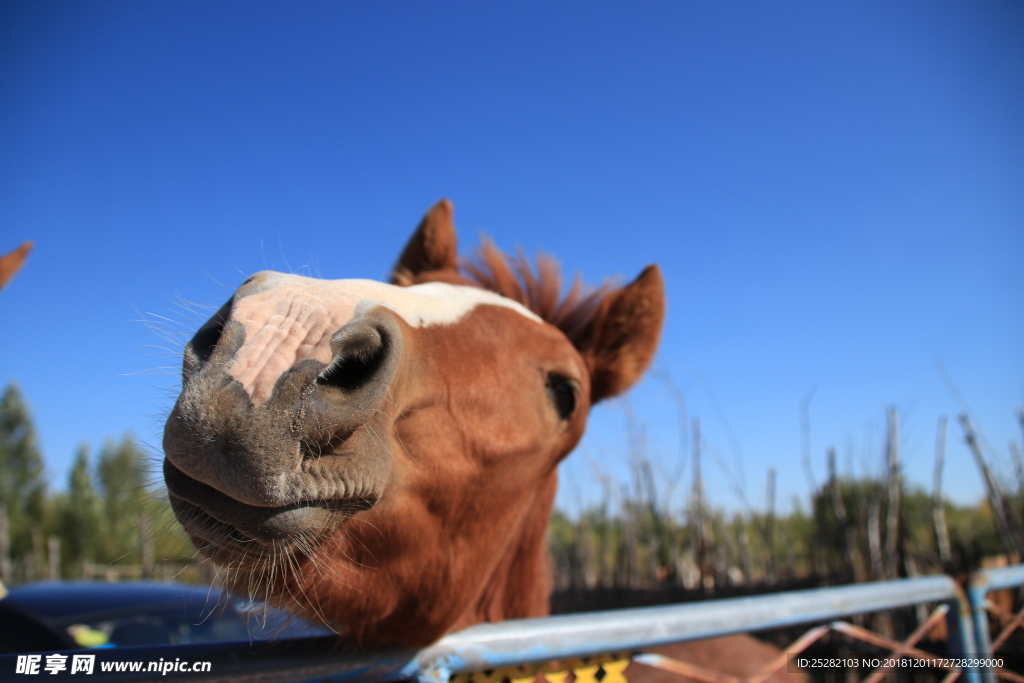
(538, 290)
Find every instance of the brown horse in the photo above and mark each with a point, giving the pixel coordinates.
(383, 457)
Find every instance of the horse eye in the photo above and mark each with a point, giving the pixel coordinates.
(562, 394)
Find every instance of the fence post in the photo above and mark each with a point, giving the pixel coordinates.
(980, 584)
(962, 642)
(977, 588)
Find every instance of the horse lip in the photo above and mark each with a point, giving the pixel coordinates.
(263, 524)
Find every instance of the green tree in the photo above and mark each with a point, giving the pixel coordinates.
(22, 484)
(122, 484)
(79, 516)
(109, 516)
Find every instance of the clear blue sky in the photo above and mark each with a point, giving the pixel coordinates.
(835, 192)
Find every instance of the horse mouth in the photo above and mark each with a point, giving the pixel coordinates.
(230, 531)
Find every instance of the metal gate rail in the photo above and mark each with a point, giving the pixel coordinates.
(515, 643)
(983, 582)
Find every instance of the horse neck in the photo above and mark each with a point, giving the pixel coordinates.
(521, 584)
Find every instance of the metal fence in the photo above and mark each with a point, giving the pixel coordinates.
(518, 651)
(981, 585)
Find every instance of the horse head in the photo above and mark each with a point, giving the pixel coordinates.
(383, 456)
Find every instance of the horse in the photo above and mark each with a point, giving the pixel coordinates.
(383, 457)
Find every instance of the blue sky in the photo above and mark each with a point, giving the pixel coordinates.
(835, 192)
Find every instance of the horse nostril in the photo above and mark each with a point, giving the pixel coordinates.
(205, 340)
(201, 346)
(359, 352)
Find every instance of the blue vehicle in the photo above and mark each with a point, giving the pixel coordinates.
(74, 615)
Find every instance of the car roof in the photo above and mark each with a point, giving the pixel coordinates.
(62, 599)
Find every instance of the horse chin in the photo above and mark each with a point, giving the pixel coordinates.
(233, 533)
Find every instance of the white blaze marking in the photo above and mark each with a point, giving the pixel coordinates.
(294, 318)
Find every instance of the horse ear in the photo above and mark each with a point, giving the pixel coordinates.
(11, 262)
(431, 247)
(621, 339)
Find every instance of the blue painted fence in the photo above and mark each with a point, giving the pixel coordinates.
(980, 585)
(535, 641)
